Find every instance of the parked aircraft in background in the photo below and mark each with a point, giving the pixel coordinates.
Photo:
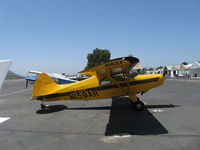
(4, 66)
(58, 78)
(111, 79)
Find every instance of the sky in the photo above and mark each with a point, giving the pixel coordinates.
(57, 35)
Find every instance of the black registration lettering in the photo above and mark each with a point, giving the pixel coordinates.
(95, 93)
(83, 94)
(79, 95)
(113, 63)
(90, 94)
(72, 96)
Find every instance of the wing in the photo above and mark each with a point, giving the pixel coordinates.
(118, 65)
(34, 72)
(4, 66)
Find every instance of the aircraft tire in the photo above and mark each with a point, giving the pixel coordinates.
(43, 106)
(139, 106)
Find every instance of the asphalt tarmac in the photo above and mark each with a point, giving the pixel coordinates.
(170, 121)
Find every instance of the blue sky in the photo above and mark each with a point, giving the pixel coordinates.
(57, 35)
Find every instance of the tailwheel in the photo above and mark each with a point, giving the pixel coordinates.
(43, 106)
(138, 105)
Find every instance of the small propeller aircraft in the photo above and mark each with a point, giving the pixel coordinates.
(110, 79)
(59, 78)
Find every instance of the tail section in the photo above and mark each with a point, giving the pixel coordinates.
(44, 85)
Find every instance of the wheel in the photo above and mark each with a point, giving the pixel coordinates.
(43, 106)
(139, 106)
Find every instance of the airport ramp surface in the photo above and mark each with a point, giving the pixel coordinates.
(169, 122)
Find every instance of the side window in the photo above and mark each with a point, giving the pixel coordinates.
(133, 74)
(105, 80)
(119, 77)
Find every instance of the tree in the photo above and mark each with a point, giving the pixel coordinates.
(151, 69)
(161, 67)
(144, 70)
(98, 56)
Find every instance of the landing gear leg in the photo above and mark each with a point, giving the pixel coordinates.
(137, 104)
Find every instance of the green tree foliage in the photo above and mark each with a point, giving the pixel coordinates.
(98, 56)
(151, 69)
(161, 67)
(143, 71)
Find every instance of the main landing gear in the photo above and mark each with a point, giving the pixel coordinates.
(138, 105)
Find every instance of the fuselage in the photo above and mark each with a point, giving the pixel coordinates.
(95, 88)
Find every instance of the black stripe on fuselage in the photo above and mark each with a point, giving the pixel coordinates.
(105, 87)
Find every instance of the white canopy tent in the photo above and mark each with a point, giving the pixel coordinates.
(194, 70)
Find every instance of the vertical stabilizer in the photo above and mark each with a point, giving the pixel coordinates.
(44, 85)
(4, 66)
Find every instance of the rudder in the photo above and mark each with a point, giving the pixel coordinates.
(44, 85)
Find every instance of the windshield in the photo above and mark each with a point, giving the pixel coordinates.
(133, 74)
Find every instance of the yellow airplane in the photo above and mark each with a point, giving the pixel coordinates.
(110, 79)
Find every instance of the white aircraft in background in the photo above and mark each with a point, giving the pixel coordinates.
(4, 66)
(59, 78)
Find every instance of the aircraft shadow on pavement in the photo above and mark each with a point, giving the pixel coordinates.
(52, 109)
(124, 120)
(109, 107)
(162, 106)
(90, 108)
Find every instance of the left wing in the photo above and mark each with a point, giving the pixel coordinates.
(4, 66)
